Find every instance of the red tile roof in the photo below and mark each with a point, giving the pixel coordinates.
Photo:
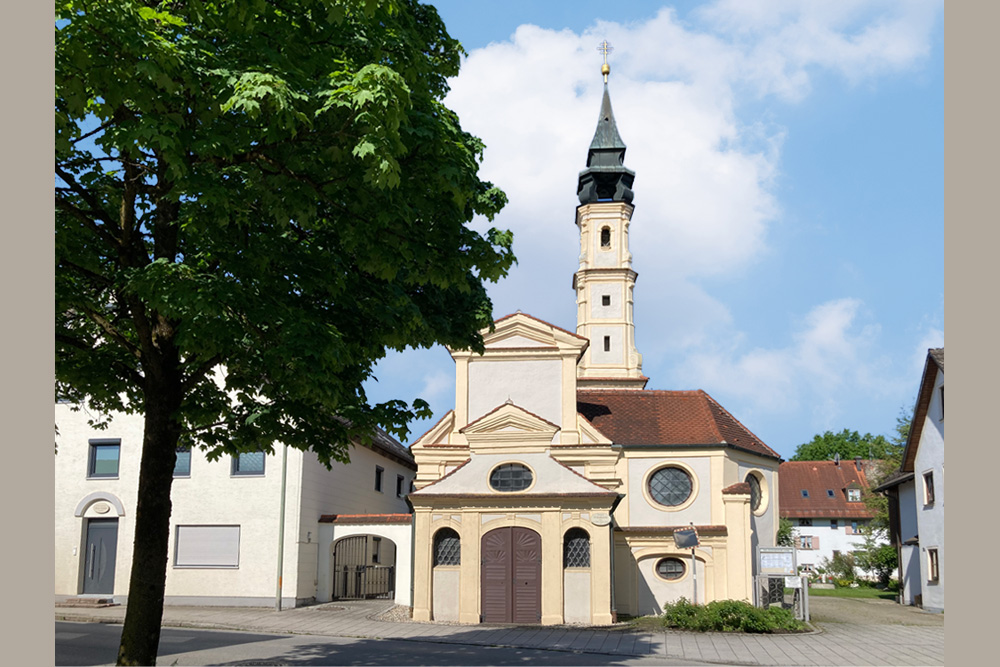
(670, 418)
(366, 518)
(817, 477)
(739, 487)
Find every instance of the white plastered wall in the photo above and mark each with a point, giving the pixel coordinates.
(930, 516)
(535, 385)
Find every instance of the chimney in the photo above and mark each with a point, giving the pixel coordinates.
(836, 459)
(857, 462)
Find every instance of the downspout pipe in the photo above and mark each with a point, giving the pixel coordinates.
(281, 526)
(611, 529)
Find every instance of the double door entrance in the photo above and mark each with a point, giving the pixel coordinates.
(511, 576)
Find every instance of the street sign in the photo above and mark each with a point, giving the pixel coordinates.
(777, 560)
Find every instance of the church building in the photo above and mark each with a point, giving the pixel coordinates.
(551, 492)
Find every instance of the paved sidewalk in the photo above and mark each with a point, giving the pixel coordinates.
(845, 644)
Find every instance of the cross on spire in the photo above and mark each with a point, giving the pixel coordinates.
(605, 49)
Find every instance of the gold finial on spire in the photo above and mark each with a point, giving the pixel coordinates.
(605, 49)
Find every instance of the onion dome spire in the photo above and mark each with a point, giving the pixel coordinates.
(606, 178)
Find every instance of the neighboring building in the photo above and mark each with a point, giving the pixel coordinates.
(823, 501)
(551, 492)
(916, 495)
(224, 522)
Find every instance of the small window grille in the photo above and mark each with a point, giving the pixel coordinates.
(576, 548)
(447, 547)
(606, 300)
(510, 477)
(607, 343)
(606, 237)
(248, 463)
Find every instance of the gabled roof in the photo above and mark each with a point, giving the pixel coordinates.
(666, 418)
(933, 364)
(817, 477)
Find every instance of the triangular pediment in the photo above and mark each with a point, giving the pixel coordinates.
(589, 434)
(524, 331)
(510, 423)
(438, 434)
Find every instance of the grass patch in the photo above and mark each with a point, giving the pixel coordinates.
(645, 623)
(859, 592)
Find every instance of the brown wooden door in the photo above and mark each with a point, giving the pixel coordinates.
(511, 576)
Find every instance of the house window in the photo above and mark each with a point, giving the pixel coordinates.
(447, 548)
(576, 548)
(807, 568)
(104, 455)
(376, 549)
(399, 486)
(854, 528)
(378, 478)
(833, 524)
(607, 343)
(928, 488)
(829, 493)
(207, 546)
(248, 463)
(805, 541)
(805, 493)
(854, 495)
(670, 568)
(606, 237)
(805, 522)
(932, 563)
(606, 300)
(182, 466)
(670, 486)
(510, 477)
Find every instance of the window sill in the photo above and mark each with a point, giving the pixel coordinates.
(247, 474)
(206, 567)
(102, 477)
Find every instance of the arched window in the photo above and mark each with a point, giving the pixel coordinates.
(606, 237)
(576, 548)
(447, 547)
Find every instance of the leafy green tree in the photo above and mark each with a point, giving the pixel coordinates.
(785, 536)
(848, 444)
(877, 555)
(254, 201)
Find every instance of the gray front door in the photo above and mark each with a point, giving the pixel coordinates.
(99, 558)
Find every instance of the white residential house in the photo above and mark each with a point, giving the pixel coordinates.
(916, 495)
(224, 527)
(823, 501)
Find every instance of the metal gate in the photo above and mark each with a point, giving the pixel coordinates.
(357, 574)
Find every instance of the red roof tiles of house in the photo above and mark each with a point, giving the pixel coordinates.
(671, 418)
(818, 478)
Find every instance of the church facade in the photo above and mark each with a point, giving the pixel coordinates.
(551, 492)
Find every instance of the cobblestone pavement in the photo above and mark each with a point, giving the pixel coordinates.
(848, 632)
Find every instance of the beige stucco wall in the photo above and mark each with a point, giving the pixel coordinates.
(535, 385)
(446, 593)
(643, 511)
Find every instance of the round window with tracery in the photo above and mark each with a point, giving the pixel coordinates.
(755, 495)
(510, 477)
(670, 486)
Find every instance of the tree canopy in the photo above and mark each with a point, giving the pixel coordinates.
(848, 444)
(256, 200)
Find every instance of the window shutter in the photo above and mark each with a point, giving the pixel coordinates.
(815, 541)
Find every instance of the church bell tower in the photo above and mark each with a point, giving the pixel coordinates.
(605, 279)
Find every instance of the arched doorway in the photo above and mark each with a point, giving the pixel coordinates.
(511, 576)
(364, 567)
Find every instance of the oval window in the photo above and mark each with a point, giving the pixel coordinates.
(670, 486)
(670, 568)
(754, 492)
(510, 477)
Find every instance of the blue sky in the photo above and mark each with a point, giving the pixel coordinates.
(789, 222)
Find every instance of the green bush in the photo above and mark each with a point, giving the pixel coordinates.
(727, 616)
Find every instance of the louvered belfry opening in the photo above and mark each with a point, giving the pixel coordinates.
(356, 573)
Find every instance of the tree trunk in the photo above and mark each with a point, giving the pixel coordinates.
(144, 613)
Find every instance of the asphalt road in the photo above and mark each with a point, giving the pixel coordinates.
(97, 644)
